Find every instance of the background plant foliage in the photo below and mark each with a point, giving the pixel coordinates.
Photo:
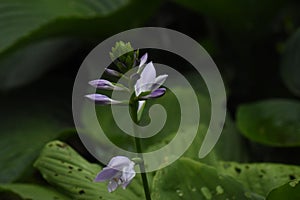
(256, 45)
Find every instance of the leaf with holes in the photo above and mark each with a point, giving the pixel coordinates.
(188, 179)
(271, 122)
(260, 178)
(66, 170)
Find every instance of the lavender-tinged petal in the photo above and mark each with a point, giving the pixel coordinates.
(133, 78)
(147, 79)
(137, 89)
(125, 184)
(159, 81)
(142, 87)
(128, 173)
(155, 94)
(143, 59)
(148, 74)
(119, 162)
(113, 72)
(106, 174)
(112, 185)
(102, 99)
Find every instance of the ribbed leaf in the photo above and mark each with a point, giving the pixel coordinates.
(65, 169)
(260, 178)
(188, 179)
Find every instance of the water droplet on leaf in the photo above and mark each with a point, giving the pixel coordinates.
(179, 192)
(219, 189)
(206, 193)
(294, 183)
(248, 195)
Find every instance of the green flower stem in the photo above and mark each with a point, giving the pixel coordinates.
(139, 151)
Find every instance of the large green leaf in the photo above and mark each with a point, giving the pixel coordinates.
(229, 137)
(30, 62)
(188, 179)
(29, 191)
(192, 151)
(260, 178)
(289, 69)
(65, 169)
(289, 190)
(28, 120)
(27, 52)
(271, 122)
(31, 117)
(21, 20)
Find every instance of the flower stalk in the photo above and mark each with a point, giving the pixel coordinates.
(143, 84)
(138, 146)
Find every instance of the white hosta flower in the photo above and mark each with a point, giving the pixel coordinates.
(148, 82)
(119, 171)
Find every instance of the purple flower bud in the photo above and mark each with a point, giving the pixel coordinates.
(102, 99)
(119, 171)
(155, 94)
(113, 72)
(143, 59)
(106, 85)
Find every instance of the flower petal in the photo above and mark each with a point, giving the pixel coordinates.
(159, 81)
(102, 99)
(125, 184)
(112, 185)
(155, 94)
(146, 80)
(128, 173)
(143, 59)
(148, 74)
(106, 174)
(120, 162)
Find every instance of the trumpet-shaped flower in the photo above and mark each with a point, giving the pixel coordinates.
(149, 83)
(119, 171)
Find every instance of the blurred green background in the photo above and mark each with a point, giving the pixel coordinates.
(255, 44)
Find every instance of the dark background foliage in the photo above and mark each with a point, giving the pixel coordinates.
(255, 44)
